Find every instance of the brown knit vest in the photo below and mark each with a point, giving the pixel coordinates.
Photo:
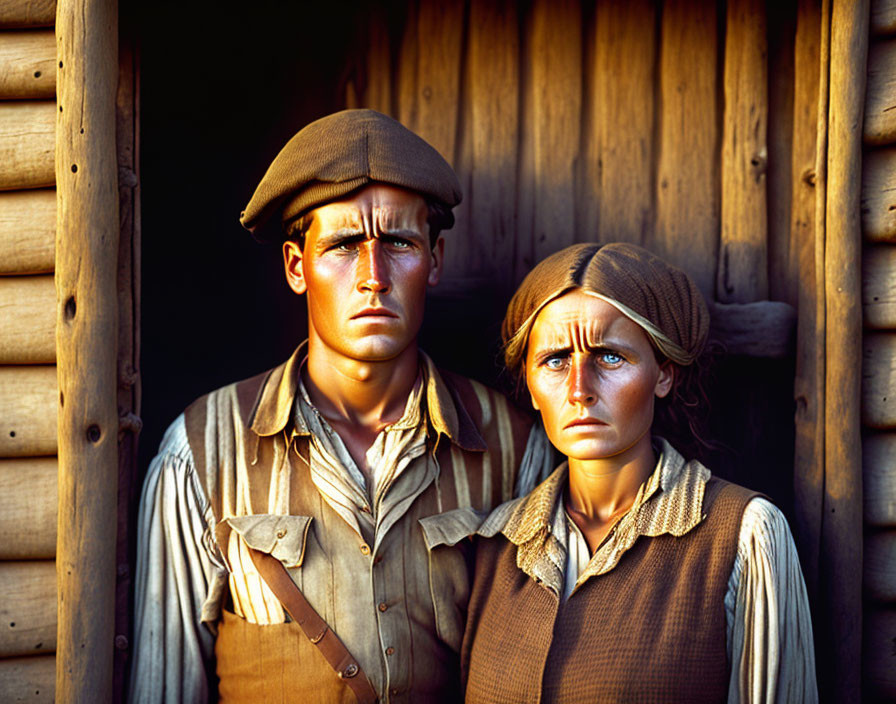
(650, 630)
(277, 663)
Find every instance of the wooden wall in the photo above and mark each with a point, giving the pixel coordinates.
(879, 359)
(28, 392)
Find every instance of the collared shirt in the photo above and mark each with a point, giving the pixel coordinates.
(768, 626)
(184, 576)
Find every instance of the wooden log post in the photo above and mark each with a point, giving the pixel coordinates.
(86, 344)
(28, 608)
(28, 320)
(27, 141)
(28, 64)
(28, 501)
(743, 254)
(27, 232)
(27, 13)
(841, 539)
(31, 679)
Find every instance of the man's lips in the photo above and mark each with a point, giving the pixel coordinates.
(583, 421)
(374, 313)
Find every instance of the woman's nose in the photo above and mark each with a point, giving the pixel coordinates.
(373, 270)
(582, 389)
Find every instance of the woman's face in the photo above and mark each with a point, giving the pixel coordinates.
(593, 375)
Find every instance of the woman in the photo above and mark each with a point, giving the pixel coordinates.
(629, 574)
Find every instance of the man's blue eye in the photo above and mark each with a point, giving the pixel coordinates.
(610, 358)
(554, 363)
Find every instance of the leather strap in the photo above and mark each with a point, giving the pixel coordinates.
(336, 654)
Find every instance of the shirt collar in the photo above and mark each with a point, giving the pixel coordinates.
(273, 407)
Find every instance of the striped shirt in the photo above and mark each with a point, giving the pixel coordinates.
(376, 562)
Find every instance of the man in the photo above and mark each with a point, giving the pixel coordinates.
(300, 535)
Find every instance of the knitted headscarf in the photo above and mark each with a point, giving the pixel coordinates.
(663, 300)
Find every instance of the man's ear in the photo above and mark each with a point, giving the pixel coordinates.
(666, 379)
(438, 258)
(293, 264)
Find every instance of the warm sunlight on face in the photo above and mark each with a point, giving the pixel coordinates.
(592, 373)
(365, 266)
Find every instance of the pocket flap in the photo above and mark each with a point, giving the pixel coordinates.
(451, 527)
(282, 537)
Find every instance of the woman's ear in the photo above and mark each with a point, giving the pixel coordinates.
(665, 380)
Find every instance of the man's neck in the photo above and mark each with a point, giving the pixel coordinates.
(358, 399)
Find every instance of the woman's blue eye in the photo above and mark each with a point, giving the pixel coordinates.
(554, 362)
(610, 358)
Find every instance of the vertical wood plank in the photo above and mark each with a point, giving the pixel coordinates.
(687, 201)
(618, 193)
(494, 97)
(743, 254)
(378, 73)
(841, 546)
(86, 336)
(807, 185)
(556, 58)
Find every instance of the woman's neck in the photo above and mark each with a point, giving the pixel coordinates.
(601, 491)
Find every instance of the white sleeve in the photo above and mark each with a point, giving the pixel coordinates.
(177, 571)
(770, 645)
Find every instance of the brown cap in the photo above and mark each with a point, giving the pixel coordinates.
(333, 156)
(660, 298)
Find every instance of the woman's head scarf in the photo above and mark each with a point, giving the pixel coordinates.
(663, 300)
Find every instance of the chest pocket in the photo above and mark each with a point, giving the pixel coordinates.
(450, 568)
(283, 537)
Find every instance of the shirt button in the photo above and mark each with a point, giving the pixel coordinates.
(390, 650)
(281, 533)
(365, 549)
(383, 606)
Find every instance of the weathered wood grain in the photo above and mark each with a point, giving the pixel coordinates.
(879, 380)
(883, 17)
(28, 64)
(879, 287)
(28, 608)
(879, 195)
(879, 471)
(28, 400)
(31, 680)
(87, 247)
(743, 250)
(555, 121)
(688, 182)
(494, 50)
(27, 231)
(880, 96)
(841, 542)
(617, 194)
(377, 92)
(27, 13)
(879, 655)
(807, 177)
(758, 329)
(27, 319)
(27, 141)
(879, 563)
(28, 499)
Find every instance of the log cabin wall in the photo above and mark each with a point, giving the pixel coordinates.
(879, 373)
(28, 390)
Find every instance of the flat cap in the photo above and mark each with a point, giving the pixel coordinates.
(333, 156)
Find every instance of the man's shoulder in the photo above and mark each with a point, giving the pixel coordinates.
(485, 405)
(238, 395)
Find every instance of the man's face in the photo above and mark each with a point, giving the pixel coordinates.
(365, 266)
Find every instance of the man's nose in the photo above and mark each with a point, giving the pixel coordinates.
(373, 270)
(582, 387)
